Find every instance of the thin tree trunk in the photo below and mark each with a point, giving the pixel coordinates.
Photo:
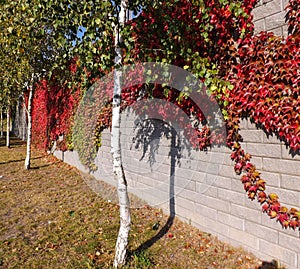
(29, 127)
(125, 220)
(23, 122)
(1, 122)
(8, 126)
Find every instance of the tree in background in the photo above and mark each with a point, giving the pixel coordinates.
(11, 66)
(26, 53)
(28, 25)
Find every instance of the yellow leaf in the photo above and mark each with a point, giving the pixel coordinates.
(273, 197)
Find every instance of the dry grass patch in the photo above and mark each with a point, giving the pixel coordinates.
(50, 218)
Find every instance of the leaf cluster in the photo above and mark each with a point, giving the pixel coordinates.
(252, 76)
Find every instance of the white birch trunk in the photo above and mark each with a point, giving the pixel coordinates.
(125, 221)
(1, 122)
(8, 126)
(29, 127)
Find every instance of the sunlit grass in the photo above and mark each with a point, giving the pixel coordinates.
(50, 218)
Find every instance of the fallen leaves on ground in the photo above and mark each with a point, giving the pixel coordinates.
(50, 218)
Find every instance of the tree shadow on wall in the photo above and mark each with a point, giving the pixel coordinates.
(148, 137)
(271, 134)
(149, 133)
(271, 265)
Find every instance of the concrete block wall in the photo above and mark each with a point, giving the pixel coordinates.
(281, 170)
(269, 15)
(205, 190)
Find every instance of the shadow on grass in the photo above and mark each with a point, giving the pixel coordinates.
(12, 161)
(163, 231)
(14, 141)
(23, 159)
(44, 165)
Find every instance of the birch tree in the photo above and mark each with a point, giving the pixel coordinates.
(9, 88)
(1, 124)
(29, 125)
(119, 175)
(26, 51)
(8, 119)
(14, 63)
(101, 20)
(30, 22)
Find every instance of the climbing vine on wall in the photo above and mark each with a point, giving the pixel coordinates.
(263, 71)
(53, 109)
(293, 16)
(267, 87)
(40, 136)
(250, 76)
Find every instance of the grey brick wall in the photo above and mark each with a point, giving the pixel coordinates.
(269, 15)
(207, 193)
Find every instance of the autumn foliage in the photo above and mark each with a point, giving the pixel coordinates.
(256, 77)
(53, 108)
